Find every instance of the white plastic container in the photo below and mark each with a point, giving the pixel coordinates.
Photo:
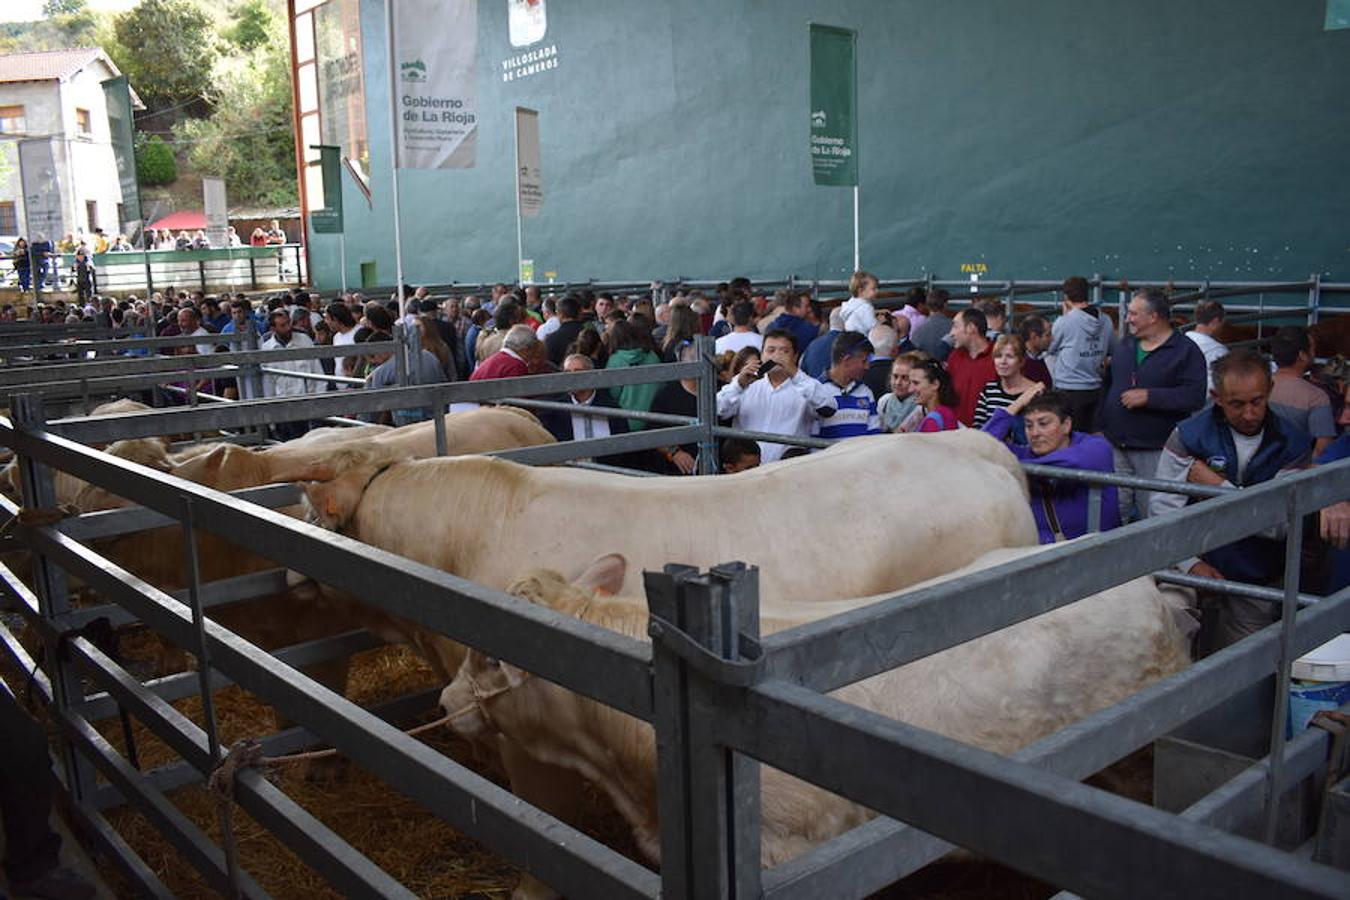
(1321, 680)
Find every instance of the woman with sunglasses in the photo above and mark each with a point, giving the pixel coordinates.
(935, 393)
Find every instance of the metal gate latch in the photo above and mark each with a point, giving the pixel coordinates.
(735, 672)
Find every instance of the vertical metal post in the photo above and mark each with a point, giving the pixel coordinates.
(438, 425)
(1096, 289)
(252, 271)
(708, 798)
(1314, 299)
(204, 685)
(857, 241)
(707, 406)
(393, 158)
(53, 592)
(670, 719)
(1008, 305)
(1094, 509)
(1293, 545)
(201, 274)
(738, 775)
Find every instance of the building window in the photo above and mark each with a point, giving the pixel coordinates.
(9, 218)
(91, 213)
(11, 120)
(82, 122)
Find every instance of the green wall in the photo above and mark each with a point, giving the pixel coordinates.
(1209, 138)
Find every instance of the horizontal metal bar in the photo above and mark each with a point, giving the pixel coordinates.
(103, 387)
(1243, 797)
(1052, 827)
(313, 406)
(838, 650)
(558, 854)
(884, 850)
(601, 412)
(10, 377)
(296, 739)
(1231, 588)
(213, 595)
(101, 706)
(125, 520)
(548, 454)
(769, 437)
(130, 342)
(194, 845)
(313, 376)
(613, 470)
(594, 661)
(113, 846)
(1084, 476)
(357, 873)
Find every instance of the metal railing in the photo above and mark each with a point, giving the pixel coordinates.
(146, 271)
(1035, 816)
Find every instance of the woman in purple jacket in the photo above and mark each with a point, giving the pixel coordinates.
(1059, 507)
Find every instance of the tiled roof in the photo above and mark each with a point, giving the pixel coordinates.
(47, 65)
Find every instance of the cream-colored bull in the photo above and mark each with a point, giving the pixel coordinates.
(862, 518)
(1000, 692)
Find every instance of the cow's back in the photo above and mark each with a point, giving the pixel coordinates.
(867, 516)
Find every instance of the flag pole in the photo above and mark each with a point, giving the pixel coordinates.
(857, 256)
(393, 160)
(520, 240)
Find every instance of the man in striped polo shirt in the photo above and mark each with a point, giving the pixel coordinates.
(857, 407)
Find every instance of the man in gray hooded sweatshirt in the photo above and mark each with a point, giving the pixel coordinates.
(1079, 341)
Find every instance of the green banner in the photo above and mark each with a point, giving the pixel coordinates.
(328, 218)
(117, 95)
(834, 105)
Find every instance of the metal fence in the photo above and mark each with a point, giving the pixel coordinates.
(718, 712)
(145, 271)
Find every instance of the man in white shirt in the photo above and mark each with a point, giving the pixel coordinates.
(775, 396)
(742, 333)
(283, 337)
(1209, 316)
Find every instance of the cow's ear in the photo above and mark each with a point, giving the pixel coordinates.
(215, 460)
(604, 575)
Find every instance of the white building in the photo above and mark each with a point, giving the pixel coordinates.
(58, 94)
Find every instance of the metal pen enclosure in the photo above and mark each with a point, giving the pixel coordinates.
(715, 711)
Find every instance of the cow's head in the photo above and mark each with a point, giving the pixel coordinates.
(483, 687)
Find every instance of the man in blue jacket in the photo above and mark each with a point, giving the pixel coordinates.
(1155, 379)
(1237, 442)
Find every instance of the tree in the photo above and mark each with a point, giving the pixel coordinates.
(253, 25)
(249, 138)
(168, 50)
(155, 164)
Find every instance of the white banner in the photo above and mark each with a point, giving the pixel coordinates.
(529, 177)
(38, 168)
(217, 213)
(436, 56)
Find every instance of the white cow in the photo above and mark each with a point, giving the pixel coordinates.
(1000, 692)
(822, 526)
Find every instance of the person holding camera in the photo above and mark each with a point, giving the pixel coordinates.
(773, 395)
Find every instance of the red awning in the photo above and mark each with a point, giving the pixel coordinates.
(183, 220)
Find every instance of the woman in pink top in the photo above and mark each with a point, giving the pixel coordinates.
(933, 388)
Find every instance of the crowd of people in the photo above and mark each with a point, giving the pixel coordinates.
(1149, 399)
(36, 264)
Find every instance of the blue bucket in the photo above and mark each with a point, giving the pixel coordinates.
(1321, 680)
